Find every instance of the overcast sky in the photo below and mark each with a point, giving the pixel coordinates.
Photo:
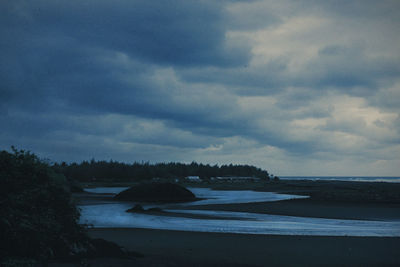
(294, 87)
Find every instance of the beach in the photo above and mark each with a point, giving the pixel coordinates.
(193, 248)
(179, 248)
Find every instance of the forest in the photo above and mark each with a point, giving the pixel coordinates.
(123, 172)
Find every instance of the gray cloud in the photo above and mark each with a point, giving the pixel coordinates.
(167, 32)
(336, 67)
(218, 81)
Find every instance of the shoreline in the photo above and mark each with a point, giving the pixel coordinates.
(328, 199)
(186, 248)
(222, 249)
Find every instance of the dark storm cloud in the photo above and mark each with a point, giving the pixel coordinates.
(98, 58)
(101, 57)
(53, 51)
(164, 32)
(184, 80)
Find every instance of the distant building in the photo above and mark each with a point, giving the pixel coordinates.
(193, 178)
(235, 179)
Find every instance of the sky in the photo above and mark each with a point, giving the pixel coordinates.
(299, 87)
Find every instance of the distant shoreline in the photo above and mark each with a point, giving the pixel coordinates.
(388, 179)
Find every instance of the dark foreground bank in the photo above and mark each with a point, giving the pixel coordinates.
(176, 248)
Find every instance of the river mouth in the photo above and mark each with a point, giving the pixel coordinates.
(185, 217)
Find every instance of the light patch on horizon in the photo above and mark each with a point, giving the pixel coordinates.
(288, 40)
(352, 114)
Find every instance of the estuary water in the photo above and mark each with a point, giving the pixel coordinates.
(214, 196)
(114, 214)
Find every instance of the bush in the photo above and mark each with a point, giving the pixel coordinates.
(37, 217)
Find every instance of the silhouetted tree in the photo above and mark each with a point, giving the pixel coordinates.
(37, 218)
(116, 171)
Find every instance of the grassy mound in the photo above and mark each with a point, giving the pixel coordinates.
(157, 192)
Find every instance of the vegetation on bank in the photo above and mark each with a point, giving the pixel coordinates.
(112, 171)
(157, 192)
(37, 217)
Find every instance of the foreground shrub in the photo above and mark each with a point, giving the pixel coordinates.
(37, 217)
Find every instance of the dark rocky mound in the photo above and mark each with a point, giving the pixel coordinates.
(139, 209)
(157, 192)
(136, 208)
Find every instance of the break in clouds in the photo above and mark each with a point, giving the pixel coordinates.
(296, 87)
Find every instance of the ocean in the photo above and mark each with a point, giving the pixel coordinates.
(345, 178)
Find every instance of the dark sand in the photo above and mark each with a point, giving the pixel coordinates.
(315, 208)
(177, 248)
(338, 191)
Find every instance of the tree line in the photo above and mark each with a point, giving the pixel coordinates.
(118, 171)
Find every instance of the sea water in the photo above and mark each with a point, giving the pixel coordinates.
(345, 178)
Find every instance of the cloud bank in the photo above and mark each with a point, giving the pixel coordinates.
(296, 87)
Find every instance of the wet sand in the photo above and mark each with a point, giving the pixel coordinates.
(178, 248)
(336, 191)
(315, 208)
(188, 215)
